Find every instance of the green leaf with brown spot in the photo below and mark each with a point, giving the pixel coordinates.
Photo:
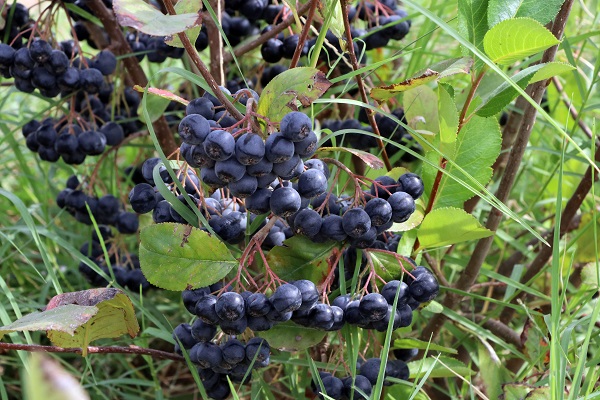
(148, 19)
(175, 256)
(290, 90)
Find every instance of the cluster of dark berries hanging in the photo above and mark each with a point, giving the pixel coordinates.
(106, 210)
(53, 71)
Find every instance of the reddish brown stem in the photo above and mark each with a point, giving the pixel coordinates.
(304, 33)
(158, 354)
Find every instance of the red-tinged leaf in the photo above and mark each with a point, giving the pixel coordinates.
(184, 7)
(146, 18)
(165, 94)
(368, 158)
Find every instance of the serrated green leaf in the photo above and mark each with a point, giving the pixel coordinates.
(499, 96)
(514, 39)
(290, 90)
(472, 20)
(46, 379)
(477, 147)
(148, 19)
(446, 226)
(418, 109)
(175, 256)
(541, 11)
(450, 368)
(289, 336)
(66, 318)
(412, 343)
(115, 317)
(300, 258)
(387, 266)
(186, 7)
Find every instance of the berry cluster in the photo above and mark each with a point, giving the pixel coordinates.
(126, 269)
(16, 16)
(52, 71)
(152, 47)
(345, 388)
(106, 210)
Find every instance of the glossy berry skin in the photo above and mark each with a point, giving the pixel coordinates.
(259, 324)
(203, 332)
(396, 369)
(249, 149)
(370, 370)
(360, 382)
(332, 386)
(92, 143)
(383, 187)
(230, 306)
(424, 288)
(312, 183)
(183, 333)
(308, 146)
(287, 298)
(365, 240)
(230, 170)
(405, 354)
(356, 222)
(285, 201)
(202, 106)
(113, 132)
(309, 292)
(234, 351)
(338, 318)
(236, 327)
(205, 309)
(278, 149)
(142, 198)
(206, 355)
(332, 228)
(105, 62)
(321, 317)
(244, 187)
(40, 50)
(379, 210)
(307, 223)
(194, 129)
(191, 297)
(219, 145)
(258, 305)
(127, 222)
(258, 350)
(373, 307)
(352, 314)
(403, 205)
(272, 50)
(390, 289)
(411, 184)
(295, 126)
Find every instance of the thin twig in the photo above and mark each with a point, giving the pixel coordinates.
(215, 43)
(304, 33)
(121, 47)
(193, 54)
(471, 271)
(159, 354)
(361, 86)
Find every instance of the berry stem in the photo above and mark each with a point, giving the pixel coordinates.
(304, 34)
(193, 54)
(361, 86)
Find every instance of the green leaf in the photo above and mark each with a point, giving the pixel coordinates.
(46, 379)
(472, 20)
(65, 318)
(146, 18)
(387, 266)
(300, 258)
(337, 18)
(586, 241)
(418, 109)
(434, 307)
(404, 390)
(412, 343)
(542, 11)
(175, 256)
(514, 39)
(156, 106)
(590, 274)
(386, 92)
(415, 219)
(289, 336)
(501, 94)
(492, 372)
(477, 147)
(370, 159)
(291, 89)
(450, 369)
(446, 226)
(448, 121)
(515, 391)
(115, 317)
(186, 7)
